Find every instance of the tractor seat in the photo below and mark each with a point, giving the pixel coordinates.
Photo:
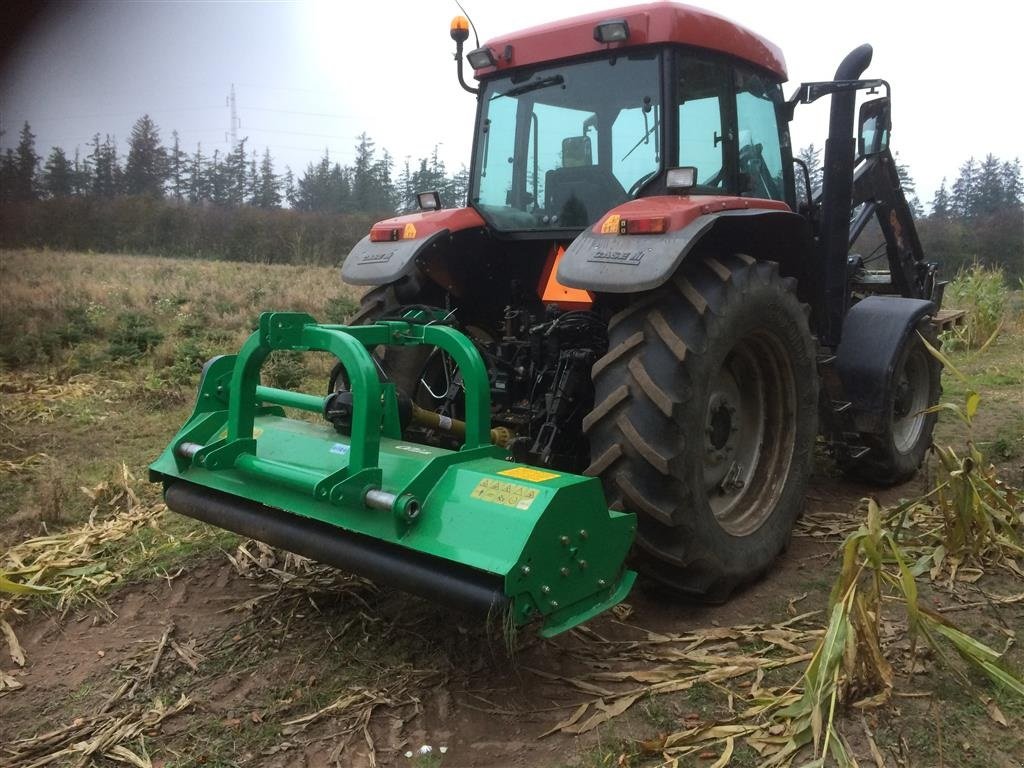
(579, 196)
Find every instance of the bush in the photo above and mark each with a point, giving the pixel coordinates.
(285, 369)
(134, 336)
(169, 228)
(339, 310)
(983, 293)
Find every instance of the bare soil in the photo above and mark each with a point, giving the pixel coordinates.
(260, 665)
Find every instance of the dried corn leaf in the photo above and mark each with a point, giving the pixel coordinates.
(95, 736)
(604, 712)
(568, 722)
(9, 683)
(726, 756)
(13, 646)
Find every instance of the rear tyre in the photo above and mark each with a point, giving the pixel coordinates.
(705, 422)
(401, 365)
(896, 454)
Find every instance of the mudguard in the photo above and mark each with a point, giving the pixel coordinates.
(874, 332)
(393, 245)
(608, 258)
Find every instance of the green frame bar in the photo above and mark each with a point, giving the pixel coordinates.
(299, 332)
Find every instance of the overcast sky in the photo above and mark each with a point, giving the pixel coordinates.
(310, 75)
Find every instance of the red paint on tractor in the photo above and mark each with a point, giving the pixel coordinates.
(679, 210)
(428, 222)
(649, 24)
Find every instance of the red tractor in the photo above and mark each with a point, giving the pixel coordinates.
(659, 296)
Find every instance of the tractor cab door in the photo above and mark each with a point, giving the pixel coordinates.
(730, 128)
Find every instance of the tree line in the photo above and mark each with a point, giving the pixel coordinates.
(977, 218)
(236, 205)
(160, 199)
(235, 178)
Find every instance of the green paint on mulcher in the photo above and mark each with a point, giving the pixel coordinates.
(544, 540)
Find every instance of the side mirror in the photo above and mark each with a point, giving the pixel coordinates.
(875, 124)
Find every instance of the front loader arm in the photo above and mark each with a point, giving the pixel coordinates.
(877, 186)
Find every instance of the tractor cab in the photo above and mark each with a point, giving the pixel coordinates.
(560, 143)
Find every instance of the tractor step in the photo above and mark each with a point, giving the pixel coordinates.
(464, 527)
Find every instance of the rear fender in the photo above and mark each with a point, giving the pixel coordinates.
(874, 332)
(395, 245)
(602, 259)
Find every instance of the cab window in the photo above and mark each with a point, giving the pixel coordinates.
(702, 89)
(759, 142)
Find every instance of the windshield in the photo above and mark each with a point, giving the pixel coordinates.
(560, 146)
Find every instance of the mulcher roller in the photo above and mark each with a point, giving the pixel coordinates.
(465, 528)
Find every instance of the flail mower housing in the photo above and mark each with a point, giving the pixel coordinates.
(466, 528)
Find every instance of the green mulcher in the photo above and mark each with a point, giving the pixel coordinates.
(467, 528)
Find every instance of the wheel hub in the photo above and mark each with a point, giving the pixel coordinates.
(910, 400)
(904, 398)
(747, 438)
(721, 429)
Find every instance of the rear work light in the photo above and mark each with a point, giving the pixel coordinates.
(611, 32)
(480, 58)
(681, 178)
(429, 201)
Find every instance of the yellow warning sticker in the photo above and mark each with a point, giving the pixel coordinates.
(611, 225)
(409, 233)
(506, 494)
(525, 473)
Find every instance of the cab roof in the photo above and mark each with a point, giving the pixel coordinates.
(649, 24)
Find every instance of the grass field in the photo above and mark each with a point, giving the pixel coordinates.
(259, 659)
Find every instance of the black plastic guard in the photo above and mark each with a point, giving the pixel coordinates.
(371, 263)
(874, 332)
(631, 263)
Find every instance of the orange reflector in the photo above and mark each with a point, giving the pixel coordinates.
(649, 225)
(553, 292)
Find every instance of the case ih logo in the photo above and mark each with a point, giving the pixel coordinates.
(377, 258)
(631, 258)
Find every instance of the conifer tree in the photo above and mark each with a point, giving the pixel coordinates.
(268, 189)
(812, 157)
(80, 179)
(198, 184)
(989, 195)
(58, 174)
(405, 194)
(7, 175)
(965, 189)
(235, 175)
(1013, 184)
(146, 169)
(177, 169)
(941, 202)
(909, 187)
(106, 170)
(289, 187)
(24, 165)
